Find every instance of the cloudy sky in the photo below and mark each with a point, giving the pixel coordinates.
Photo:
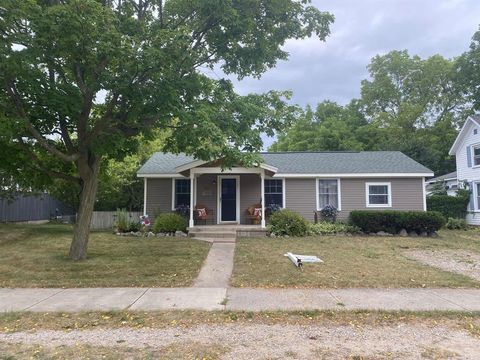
(332, 70)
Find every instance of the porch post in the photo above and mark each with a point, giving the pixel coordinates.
(262, 184)
(192, 178)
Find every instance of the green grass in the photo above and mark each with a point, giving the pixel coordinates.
(349, 262)
(37, 256)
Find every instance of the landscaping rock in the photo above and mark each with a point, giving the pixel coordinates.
(412, 234)
(424, 234)
(372, 234)
(180, 234)
(433, 234)
(383, 233)
(403, 233)
(272, 235)
(150, 234)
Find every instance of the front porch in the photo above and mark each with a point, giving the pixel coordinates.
(226, 197)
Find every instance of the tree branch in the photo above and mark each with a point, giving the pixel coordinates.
(11, 90)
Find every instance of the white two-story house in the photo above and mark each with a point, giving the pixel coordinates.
(466, 149)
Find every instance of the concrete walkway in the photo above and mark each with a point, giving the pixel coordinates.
(203, 298)
(218, 266)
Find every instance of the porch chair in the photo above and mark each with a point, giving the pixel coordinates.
(202, 213)
(251, 214)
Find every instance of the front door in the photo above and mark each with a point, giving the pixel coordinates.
(228, 199)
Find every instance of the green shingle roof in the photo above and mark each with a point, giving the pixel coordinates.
(363, 162)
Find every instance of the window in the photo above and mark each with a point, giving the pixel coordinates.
(182, 192)
(476, 155)
(274, 192)
(379, 194)
(477, 187)
(328, 193)
(475, 131)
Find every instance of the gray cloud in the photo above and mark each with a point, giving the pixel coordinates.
(333, 70)
(317, 71)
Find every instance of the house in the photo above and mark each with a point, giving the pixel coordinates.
(448, 180)
(466, 149)
(300, 181)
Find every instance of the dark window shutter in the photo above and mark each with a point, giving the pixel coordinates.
(471, 204)
(469, 156)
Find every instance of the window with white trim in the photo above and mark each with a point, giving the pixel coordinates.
(477, 188)
(476, 155)
(274, 192)
(328, 193)
(379, 194)
(182, 192)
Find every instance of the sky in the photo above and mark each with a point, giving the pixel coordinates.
(332, 70)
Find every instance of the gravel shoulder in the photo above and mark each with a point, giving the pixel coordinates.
(456, 261)
(260, 341)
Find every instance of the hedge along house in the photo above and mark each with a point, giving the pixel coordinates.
(304, 182)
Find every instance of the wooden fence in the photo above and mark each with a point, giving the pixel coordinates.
(105, 220)
(32, 207)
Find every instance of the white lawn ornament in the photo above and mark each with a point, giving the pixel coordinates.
(298, 260)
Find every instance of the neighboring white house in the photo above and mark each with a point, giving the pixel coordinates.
(449, 180)
(466, 149)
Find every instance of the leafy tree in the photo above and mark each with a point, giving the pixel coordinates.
(468, 68)
(81, 79)
(331, 127)
(409, 104)
(419, 102)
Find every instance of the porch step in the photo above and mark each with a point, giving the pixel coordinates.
(211, 234)
(214, 234)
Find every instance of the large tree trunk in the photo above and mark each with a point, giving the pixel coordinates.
(89, 170)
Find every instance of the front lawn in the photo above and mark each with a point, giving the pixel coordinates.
(37, 256)
(349, 261)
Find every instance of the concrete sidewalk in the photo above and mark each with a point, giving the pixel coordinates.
(204, 298)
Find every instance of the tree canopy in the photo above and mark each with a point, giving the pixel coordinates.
(408, 104)
(81, 79)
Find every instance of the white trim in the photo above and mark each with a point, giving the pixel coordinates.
(153, 176)
(218, 170)
(197, 163)
(339, 192)
(219, 201)
(145, 196)
(257, 171)
(424, 195)
(367, 193)
(472, 154)
(190, 165)
(283, 189)
(356, 175)
(191, 222)
(174, 189)
(457, 141)
(262, 185)
(476, 205)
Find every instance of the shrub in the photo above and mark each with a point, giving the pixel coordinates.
(329, 228)
(287, 222)
(169, 222)
(393, 221)
(456, 224)
(123, 223)
(450, 206)
(329, 213)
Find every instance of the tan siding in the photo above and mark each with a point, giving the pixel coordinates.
(159, 196)
(300, 196)
(250, 193)
(207, 191)
(407, 194)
